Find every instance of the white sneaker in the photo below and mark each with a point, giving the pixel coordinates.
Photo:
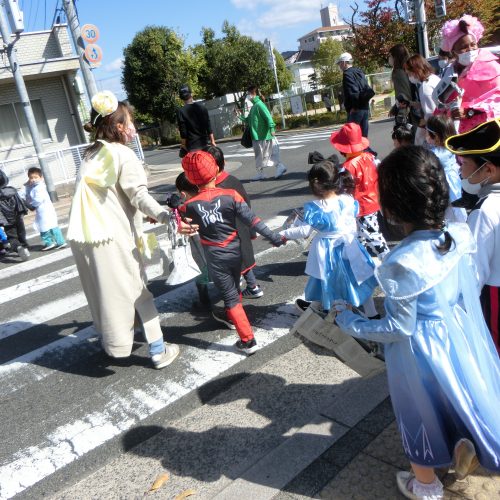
(23, 252)
(49, 247)
(166, 357)
(280, 170)
(62, 245)
(259, 177)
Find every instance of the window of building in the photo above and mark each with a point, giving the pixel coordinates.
(14, 127)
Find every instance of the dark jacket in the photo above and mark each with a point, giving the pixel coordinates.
(353, 81)
(194, 125)
(11, 205)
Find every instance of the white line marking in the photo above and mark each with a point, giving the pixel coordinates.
(72, 440)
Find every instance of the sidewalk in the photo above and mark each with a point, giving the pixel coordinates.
(302, 425)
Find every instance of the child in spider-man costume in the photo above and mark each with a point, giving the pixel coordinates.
(215, 210)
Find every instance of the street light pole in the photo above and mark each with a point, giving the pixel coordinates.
(8, 47)
(421, 18)
(76, 34)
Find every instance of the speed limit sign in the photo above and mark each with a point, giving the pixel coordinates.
(90, 33)
(93, 54)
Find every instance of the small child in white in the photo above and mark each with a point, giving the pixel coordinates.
(38, 199)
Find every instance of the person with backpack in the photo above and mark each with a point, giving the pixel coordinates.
(13, 209)
(357, 92)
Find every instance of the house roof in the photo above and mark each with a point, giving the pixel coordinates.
(298, 56)
(340, 27)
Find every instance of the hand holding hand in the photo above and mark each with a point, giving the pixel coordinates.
(185, 227)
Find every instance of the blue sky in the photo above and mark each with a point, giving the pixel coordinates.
(283, 21)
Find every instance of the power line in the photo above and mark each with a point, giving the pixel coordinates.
(45, 16)
(36, 15)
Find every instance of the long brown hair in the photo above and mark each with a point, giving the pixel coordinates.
(399, 54)
(417, 65)
(105, 127)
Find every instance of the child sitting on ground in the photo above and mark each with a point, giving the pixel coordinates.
(402, 136)
(479, 153)
(338, 265)
(246, 234)
(360, 164)
(38, 199)
(13, 210)
(215, 210)
(438, 129)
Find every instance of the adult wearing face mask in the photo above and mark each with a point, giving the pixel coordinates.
(105, 233)
(478, 72)
(421, 74)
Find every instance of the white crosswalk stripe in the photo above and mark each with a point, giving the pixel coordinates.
(67, 433)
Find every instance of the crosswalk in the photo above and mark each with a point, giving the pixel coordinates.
(293, 141)
(62, 399)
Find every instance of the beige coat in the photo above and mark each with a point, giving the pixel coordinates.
(112, 272)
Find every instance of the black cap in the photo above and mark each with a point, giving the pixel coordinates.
(484, 140)
(185, 92)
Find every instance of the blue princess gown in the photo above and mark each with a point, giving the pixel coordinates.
(443, 369)
(338, 265)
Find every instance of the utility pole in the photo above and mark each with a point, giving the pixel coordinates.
(8, 47)
(423, 41)
(272, 63)
(74, 26)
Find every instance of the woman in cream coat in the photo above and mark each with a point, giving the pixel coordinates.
(106, 237)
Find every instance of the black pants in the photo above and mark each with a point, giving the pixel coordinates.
(16, 234)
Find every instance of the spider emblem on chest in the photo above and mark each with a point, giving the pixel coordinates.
(210, 216)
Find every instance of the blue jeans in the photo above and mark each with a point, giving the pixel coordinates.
(359, 116)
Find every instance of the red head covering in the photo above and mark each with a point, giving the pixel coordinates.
(349, 139)
(199, 167)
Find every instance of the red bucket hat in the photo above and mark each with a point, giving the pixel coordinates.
(349, 139)
(200, 167)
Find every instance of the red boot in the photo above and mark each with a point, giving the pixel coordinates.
(247, 342)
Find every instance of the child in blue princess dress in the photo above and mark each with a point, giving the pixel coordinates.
(338, 265)
(442, 366)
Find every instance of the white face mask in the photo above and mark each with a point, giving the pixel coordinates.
(470, 188)
(130, 132)
(467, 58)
(443, 63)
(414, 80)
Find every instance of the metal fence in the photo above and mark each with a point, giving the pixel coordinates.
(63, 164)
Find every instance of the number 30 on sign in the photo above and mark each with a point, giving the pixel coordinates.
(90, 33)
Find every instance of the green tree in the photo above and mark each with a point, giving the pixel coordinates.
(324, 62)
(234, 61)
(155, 66)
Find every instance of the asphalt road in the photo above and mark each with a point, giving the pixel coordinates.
(65, 406)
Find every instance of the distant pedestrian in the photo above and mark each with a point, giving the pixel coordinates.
(442, 367)
(105, 233)
(357, 92)
(338, 266)
(38, 199)
(361, 164)
(215, 211)
(13, 209)
(262, 130)
(328, 102)
(194, 123)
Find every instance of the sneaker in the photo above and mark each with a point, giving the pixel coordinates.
(248, 347)
(259, 177)
(220, 315)
(280, 170)
(62, 245)
(252, 293)
(49, 247)
(302, 304)
(23, 252)
(164, 359)
(466, 461)
(411, 488)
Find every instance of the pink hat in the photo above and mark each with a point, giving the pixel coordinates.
(452, 31)
(349, 139)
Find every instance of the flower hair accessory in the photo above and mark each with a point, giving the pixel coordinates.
(452, 32)
(104, 103)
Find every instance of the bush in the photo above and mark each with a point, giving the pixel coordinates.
(238, 129)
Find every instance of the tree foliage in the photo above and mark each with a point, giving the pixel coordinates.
(155, 66)
(324, 62)
(234, 61)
